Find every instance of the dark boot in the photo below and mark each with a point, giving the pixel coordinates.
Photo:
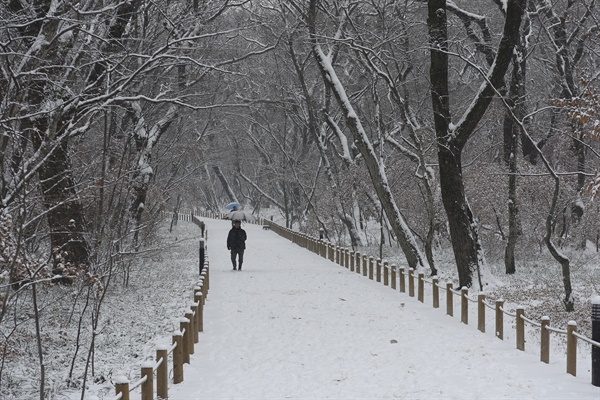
(240, 267)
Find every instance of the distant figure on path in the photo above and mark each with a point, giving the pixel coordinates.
(236, 243)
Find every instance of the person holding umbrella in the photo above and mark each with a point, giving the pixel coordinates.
(236, 243)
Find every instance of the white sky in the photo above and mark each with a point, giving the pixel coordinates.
(292, 325)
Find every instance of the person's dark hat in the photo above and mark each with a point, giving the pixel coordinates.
(237, 221)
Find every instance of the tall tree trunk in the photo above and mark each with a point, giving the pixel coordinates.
(224, 183)
(452, 139)
(564, 261)
(65, 211)
(512, 132)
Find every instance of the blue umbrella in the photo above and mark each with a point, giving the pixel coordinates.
(233, 205)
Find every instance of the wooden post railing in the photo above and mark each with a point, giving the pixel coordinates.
(545, 340)
(162, 373)
(449, 299)
(499, 319)
(520, 323)
(481, 312)
(386, 274)
(464, 305)
(436, 292)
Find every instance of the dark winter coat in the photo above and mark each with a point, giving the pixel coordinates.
(236, 239)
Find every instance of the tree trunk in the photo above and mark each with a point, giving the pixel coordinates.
(463, 232)
(558, 256)
(224, 183)
(64, 210)
(452, 139)
(512, 132)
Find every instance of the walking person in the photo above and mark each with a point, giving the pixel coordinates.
(236, 243)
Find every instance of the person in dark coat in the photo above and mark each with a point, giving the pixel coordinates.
(236, 243)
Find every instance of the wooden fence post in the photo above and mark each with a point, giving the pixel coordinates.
(402, 279)
(449, 300)
(162, 372)
(352, 259)
(198, 298)
(207, 280)
(545, 340)
(200, 285)
(572, 348)
(435, 292)
(347, 259)
(358, 258)
(464, 305)
(204, 285)
(122, 387)
(178, 357)
(148, 385)
(481, 312)
(365, 266)
(371, 268)
(189, 315)
(184, 326)
(393, 277)
(411, 282)
(520, 322)
(378, 267)
(500, 319)
(386, 274)
(421, 287)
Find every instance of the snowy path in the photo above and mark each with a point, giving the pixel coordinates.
(293, 325)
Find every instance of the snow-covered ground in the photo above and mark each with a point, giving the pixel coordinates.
(292, 325)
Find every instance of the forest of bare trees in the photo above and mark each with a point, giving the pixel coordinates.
(469, 127)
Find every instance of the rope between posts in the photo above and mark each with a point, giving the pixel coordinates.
(556, 330)
(489, 305)
(138, 383)
(457, 292)
(534, 323)
(173, 346)
(157, 364)
(507, 313)
(472, 300)
(586, 339)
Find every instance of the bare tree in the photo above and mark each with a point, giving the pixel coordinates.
(361, 140)
(452, 137)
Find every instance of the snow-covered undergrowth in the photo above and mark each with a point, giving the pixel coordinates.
(133, 319)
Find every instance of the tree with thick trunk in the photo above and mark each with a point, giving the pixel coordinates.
(452, 138)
